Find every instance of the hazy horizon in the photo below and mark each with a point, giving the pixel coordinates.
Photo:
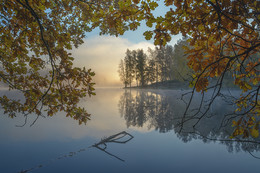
(102, 54)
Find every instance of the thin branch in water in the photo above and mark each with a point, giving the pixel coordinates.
(117, 138)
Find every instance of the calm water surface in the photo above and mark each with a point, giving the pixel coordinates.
(59, 144)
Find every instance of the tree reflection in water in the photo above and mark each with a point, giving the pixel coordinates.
(163, 110)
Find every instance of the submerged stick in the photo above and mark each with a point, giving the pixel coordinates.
(111, 139)
(114, 139)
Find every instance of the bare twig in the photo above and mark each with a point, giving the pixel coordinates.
(117, 138)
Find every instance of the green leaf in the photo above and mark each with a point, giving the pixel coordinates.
(148, 35)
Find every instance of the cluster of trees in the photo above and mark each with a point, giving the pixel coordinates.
(159, 65)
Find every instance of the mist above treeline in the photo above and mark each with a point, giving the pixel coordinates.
(161, 67)
(158, 65)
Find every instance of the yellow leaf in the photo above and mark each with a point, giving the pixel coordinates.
(254, 133)
(234, 123)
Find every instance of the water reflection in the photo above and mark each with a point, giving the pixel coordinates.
(163, 110)
(105, 120)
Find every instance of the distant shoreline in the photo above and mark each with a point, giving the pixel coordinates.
(171, 84)
(174, 84)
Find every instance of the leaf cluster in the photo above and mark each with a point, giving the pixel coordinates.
(224, 39)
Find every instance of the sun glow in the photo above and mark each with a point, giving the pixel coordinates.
(102, 54)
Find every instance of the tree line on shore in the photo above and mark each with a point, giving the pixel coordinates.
(157, 65)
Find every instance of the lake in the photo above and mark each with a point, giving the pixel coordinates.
(152, 117)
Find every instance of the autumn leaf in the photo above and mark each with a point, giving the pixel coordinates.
(254, 132)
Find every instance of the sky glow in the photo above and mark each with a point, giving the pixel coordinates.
(102, 54)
